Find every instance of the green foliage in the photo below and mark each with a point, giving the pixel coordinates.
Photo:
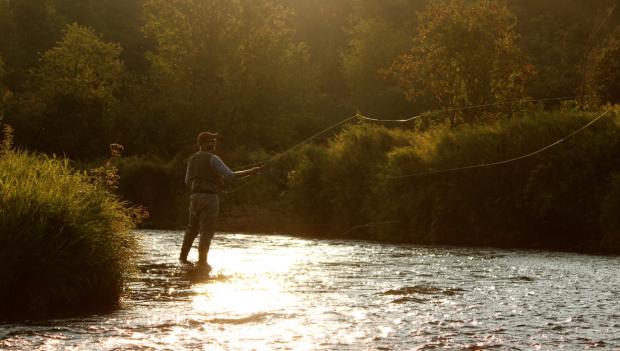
(81, 65)
(118, 21)
(227, 65)
(373, 45)
(31, 26)
(604, 77)
(553, 199)
(74, 95)
(66, 243)
(464, 53)
(338, 187)
(5, 93)
(557, 36)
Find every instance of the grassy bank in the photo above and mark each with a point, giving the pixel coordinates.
(66, 245)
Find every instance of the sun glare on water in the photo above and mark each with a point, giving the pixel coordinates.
(248, 294)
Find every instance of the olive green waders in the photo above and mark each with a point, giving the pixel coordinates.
(203, 212)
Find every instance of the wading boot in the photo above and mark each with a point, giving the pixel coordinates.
(203, 250)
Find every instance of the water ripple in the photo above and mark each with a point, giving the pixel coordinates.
(286, 293)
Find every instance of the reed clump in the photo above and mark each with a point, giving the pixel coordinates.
(66, 242)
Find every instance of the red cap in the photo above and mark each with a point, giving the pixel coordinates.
(206, 137)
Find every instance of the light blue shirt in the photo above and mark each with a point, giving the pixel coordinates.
(221, 167)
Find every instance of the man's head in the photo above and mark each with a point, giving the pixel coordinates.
(206, 140)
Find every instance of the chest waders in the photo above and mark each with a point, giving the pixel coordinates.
(204, 184)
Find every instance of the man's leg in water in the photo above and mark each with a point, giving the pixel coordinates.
(190, 234)
(207, 229)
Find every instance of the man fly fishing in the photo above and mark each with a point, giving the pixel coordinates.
(206, 173)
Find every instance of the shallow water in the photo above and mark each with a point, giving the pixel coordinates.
(285, 293)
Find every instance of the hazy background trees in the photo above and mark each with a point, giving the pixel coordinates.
(266, 73)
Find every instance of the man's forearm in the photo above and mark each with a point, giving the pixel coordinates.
(245, 173)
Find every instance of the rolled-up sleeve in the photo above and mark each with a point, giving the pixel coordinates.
(222, 168)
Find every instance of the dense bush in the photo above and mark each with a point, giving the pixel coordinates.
(337, 187)
(66, 243)
(563, 198)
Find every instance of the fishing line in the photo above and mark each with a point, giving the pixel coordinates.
(278, 156)
(482, 165)
(366, 118)
(470, 108)
(275, 158)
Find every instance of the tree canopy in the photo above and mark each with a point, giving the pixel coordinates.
(266, 73)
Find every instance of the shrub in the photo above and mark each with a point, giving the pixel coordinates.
(561, 198)
(338, 186)
(66, 243)
(551, 199)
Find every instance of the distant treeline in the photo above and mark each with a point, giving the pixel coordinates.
(76, 76)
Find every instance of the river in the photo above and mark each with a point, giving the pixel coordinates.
(285, 293)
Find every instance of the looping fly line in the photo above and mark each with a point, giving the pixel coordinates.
(366, 118)
(482, 165)
(472, 107)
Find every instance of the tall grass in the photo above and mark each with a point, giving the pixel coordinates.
(66, 243)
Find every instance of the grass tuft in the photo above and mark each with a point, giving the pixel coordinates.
(66, 242)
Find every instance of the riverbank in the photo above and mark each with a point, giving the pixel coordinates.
(263, 222)
(66, 242)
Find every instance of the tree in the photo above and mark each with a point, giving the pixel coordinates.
(226, 65)
(117, 21)
(32, 27)
(71, 105)
(374, 42)
(603, 80)
(464, 53)
(81, 64)
(323, 25)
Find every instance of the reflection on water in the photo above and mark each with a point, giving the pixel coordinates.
(278, 292)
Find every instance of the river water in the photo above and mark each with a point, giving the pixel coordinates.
(286, 293)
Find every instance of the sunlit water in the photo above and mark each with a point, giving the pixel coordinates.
(285, 293)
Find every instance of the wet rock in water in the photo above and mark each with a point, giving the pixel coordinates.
(424, 290)
(409, 299)
(453, 291)
(418, 289)
(522, 279)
